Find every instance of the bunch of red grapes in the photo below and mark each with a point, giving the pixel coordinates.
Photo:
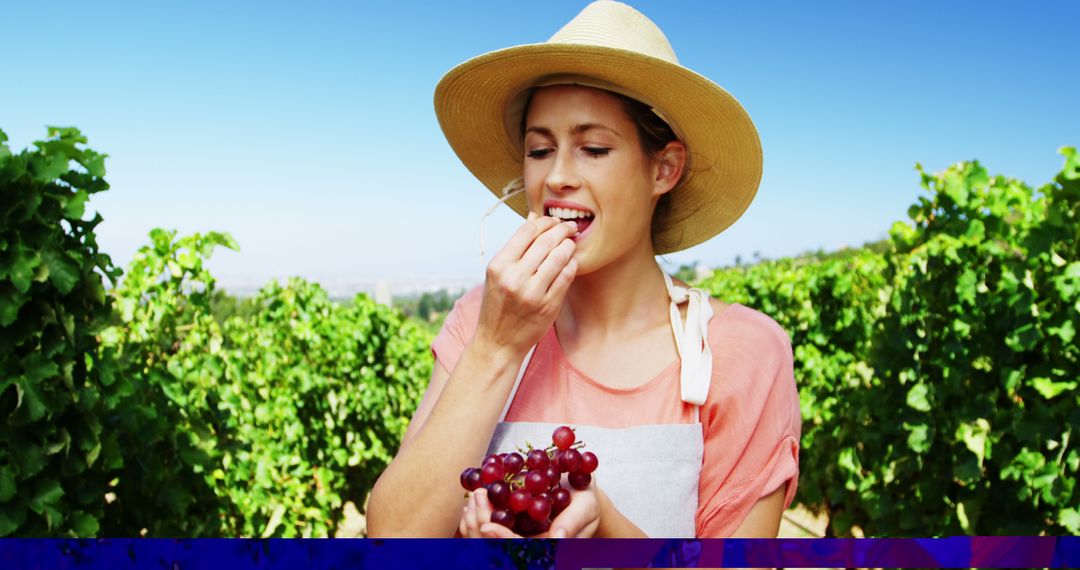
(527, 492)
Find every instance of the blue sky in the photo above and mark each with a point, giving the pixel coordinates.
(306, 129)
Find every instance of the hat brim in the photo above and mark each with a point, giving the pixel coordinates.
(725, 152)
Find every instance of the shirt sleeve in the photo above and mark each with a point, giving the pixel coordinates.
(751, 421)
(458, 328)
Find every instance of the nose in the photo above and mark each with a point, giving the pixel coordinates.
(563, 175)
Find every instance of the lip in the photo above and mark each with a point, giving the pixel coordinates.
(552, 203)
(571, 205)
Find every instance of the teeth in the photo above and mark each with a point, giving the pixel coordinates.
(568, 214)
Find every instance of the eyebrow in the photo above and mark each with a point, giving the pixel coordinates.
(575, 130)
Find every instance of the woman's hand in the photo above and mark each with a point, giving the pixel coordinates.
(477, 512)
(525, 284)
(580, 520)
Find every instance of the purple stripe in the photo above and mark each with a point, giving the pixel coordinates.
(977, 552)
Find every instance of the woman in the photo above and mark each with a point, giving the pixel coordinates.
(614, 153)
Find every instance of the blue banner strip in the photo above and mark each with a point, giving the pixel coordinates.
(240, 554)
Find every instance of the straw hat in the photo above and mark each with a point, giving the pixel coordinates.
(609, 45)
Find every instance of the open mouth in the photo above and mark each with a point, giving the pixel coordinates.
(583, 218)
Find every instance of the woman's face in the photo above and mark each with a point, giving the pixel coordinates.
(584, 161)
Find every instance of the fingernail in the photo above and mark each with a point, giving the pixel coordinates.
(561, 533)
(532, 215)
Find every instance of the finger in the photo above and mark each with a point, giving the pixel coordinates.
(483, 506)
(472, 527)
(557, 288)
(532, 216)
(552, 266)
(542, 246)
(493, 530)
(565, 525)
(523, 238)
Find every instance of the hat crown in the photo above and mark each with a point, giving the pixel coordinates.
(607, 23)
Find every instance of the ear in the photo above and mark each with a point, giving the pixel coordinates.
(668, 167)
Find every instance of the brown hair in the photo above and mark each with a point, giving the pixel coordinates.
(653, 132)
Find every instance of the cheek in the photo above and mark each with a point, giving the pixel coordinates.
(534, 194)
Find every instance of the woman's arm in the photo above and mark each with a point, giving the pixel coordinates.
(419, 495)
(612, 523)
(763, 520)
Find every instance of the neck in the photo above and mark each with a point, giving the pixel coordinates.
(626, 297)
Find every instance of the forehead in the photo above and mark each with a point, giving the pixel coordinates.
(573, 104)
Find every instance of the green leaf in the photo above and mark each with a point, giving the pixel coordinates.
(1068, 518)
(1066, 332)
(919, 438)
(94, 163)
(961, 515)
(7, 485)
(8, 524)
(28, 398)
(1024, 338)
(22, 268)
(1050, 389)
(84, 525)
(30, 459)
(63, 273)
(48, 168)
(76, 205)
(11, 301)
(48, 492)
(917, 397)
(976, 231)
(974, 435)
(966, 285)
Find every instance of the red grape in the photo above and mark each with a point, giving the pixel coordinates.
(492, 472)
(542, 526)
(579, 480)
(556, 459)
(473, 480)
(503, 517)
(563, 437)
(539, 508)
(560, 499)
(536, 481)
(499, 494)
(570, 461)
(524, 525)
(525, 489)
(589, 462)
(537, 459)
(513, 462)
(553, 475)
(519, 500)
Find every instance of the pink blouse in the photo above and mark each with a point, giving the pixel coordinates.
(751, 419)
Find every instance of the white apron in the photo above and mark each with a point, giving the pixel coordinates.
(649, 472)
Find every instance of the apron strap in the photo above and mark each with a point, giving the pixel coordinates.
(691, 341)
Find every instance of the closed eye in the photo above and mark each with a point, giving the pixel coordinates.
(597, 150)
(538, 153)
